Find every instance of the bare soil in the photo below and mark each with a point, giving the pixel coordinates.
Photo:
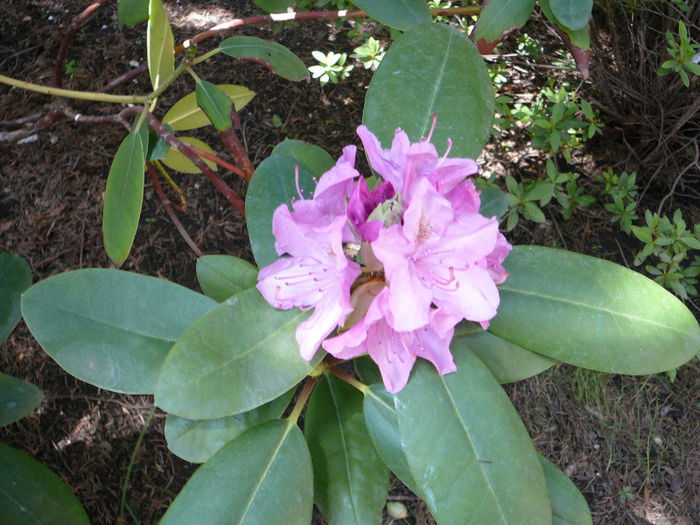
(629, 443)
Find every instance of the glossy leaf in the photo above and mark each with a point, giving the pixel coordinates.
(467, 448)
(131, 12)
(123, 198)
(237, 357)
(178, 162)
(159, 44)
(158, 147)
(497, 19)
(432, 69)
(568, 505)
(262, 476)
(186, 114)
(592, 313)
(573, 14)
(215, 103)
(15, 278)
(494, 201)
(17, 399)
(110, 328)
(350, 480)
(383, 426)
(507, 362)
(31, 493)
(198, 440)
(280, 59)
(273, 183)
(399, 14)
(367, 370)
(221, 276)
(314, 158)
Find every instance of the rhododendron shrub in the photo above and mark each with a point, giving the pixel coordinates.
(385, 307)
(431, 259)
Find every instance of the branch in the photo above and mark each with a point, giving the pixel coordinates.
(188, 152)
(69, 93)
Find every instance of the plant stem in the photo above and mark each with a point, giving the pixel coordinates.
(133, 460)
(219, 161)
(188, 152)
(302, 399)
(69, 93)
(349, 379)
(237, 151)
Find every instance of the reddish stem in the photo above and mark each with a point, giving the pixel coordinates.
(188, 152)
(77, 22)
(171, 213)
(217, 160)
(237, 151)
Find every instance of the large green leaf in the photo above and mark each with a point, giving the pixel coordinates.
(263, 476)
(282, 61)
(110, 328)
(508, 362)
(132, 12)
(497, 19)
(350, 480)
(383, 426)
(238, 356)
(573, 14)
(399, 14)
(314, 158)
(159, 44)
(432, 69)
(222, 276)
(274, 6)
(215, 103)
(123, 198)
(15, 278)
(17, 399)
(273, 183)
(467, 449)
(198, 440)
(568, 505)
(31, 493)
(592, 313)
(579, 38)
(185, 114)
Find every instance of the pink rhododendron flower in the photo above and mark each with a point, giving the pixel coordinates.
(393, 269)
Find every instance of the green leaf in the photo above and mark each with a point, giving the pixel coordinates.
(467, 448)
(314, 158)
(573, 14)
(350, 481)
(399, 14)
(274, 6)
(273, 183)
(198, 440)
(262, 476)
(497, 19)
(507, 362)
(159, 44)
(282, 61)
(31, 493)
(241, 354)
(17, 399)
(15, 278)
(131, 12)
(568, 505)
(215, 103)
(592, 313)
(158, 147)
(110, 328)
(178, 162)
(221, 276)
(494, 201)
(123, 198)
(383, 426)
(432, 69)
(367, 370)
(186, 114)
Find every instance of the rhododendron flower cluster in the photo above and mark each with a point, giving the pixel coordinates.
(388, 271)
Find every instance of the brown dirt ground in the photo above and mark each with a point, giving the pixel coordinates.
(606, 432)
